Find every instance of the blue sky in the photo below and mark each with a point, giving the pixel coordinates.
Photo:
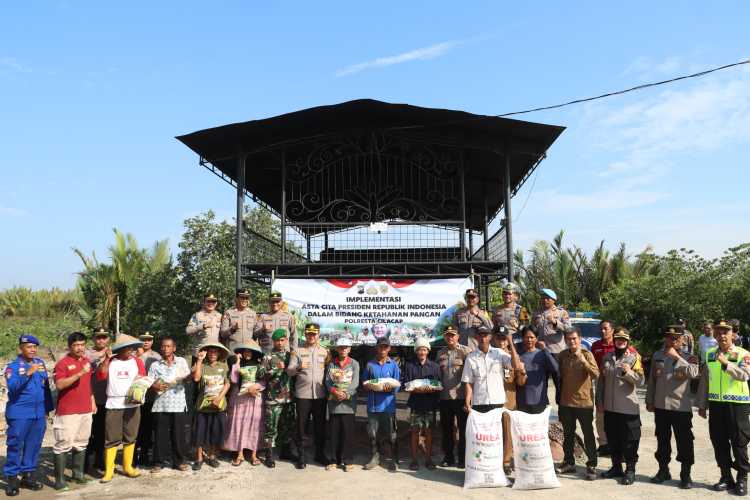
(93, 93)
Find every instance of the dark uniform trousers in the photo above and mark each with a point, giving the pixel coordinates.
(623, 435)
(316, 407)
(452, 413)
(682, 423)
(729, 428)
(145, 439)
(95, 448)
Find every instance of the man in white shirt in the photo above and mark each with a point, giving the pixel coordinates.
(484, 374)
(706, 341)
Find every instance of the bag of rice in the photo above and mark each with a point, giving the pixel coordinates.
(484, 450)
(376, 384)
(247, 378)
(435, 385)
(136, 394)
(531, 452)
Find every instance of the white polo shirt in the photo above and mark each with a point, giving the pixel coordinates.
(486, 374)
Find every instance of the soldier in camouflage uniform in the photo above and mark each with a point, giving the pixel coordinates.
(203, 327)
(272, 320)
(510, 314)
(240, 323)
(469, 318)
(278, 406)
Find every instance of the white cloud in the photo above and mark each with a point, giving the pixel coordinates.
(11, 63)
(13, 212)
(422, 53)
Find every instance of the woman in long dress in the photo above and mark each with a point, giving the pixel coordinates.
(245, 413)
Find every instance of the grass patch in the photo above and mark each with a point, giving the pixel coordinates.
(51, 332)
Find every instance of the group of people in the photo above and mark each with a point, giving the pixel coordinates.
(250, 386)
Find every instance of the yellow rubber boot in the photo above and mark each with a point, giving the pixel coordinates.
(109, 464)
(128, 451)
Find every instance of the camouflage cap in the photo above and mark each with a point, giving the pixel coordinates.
(278, 334)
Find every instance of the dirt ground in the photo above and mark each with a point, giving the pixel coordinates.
(315, 482)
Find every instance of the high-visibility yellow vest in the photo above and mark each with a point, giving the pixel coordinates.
(721, 386)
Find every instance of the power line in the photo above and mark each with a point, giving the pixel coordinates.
(586, 99)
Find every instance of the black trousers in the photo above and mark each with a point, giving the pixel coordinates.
(316, 407)
(452, 414)
(682, 423)
(729, 428)
(145, 440)
(169, 436)
(585, 418)
(624, 436)
(342, 438)
(95, 447)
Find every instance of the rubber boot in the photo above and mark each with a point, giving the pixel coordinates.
(60, 461)
(629, 477)
(270, 460)
(11, 486)
(726, 481)
(301, 462)
(686, 482)
(128, 451)
(79, 465)
(109, 464)
(393, 466)
(662, 475)
(375, 459)
(29, 482)
(740, 488)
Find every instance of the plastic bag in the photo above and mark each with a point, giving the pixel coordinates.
(376, 384)
(531, 452)
(435, 385)
(247, 379)
(484, 450)
(137, 391)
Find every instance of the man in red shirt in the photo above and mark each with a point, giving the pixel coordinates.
(75, 407)
(599, 349)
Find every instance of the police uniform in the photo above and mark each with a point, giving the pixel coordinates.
(467, 320)
(551, 326)
(245, 321)
(724, 391)
(512, 316)
(269, 322)
(29, 401)
(204, 326)
(452, 414)
(668, 395)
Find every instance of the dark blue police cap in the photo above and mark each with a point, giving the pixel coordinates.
(27, 338)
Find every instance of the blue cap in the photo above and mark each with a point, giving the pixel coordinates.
(549, 293)
(27, 338)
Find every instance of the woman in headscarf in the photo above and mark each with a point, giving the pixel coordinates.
(210, 372)
(342, 379)
(616, 394)
(538, 366)
(245, 413)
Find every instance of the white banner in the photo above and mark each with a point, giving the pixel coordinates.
(367, 309)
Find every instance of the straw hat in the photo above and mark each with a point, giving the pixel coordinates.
(123, 340)
(223, 351)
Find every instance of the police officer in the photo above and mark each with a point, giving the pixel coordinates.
(203, 327)
(239, 323)
(274, 319)
(29, 401)
(551, 322)
(724, 390)
(668, 396)
(469, 318)
(511, 315)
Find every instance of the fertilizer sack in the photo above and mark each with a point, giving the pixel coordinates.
(531, 452)
(484, 450)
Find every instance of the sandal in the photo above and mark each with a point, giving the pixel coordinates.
(236, 463)
(197, 465)
(182, 467)
(212, 462)
(255, 461)
(331, 467)
(348, 467)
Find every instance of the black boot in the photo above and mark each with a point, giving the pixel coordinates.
(270, 461)
(686, 482)
(393, 466)
(29, 482)
(60, 461)
(79, 459)
(286, 453)
(629, 477)
(11, 486)
(726, 481)
(374, 458)
(662, 475)
(614, 472)
(448, 460)
(301, 462)
(740, 488)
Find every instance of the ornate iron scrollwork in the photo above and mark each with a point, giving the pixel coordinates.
(373, 177)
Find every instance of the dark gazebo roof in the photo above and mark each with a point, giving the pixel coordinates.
(483, 141)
